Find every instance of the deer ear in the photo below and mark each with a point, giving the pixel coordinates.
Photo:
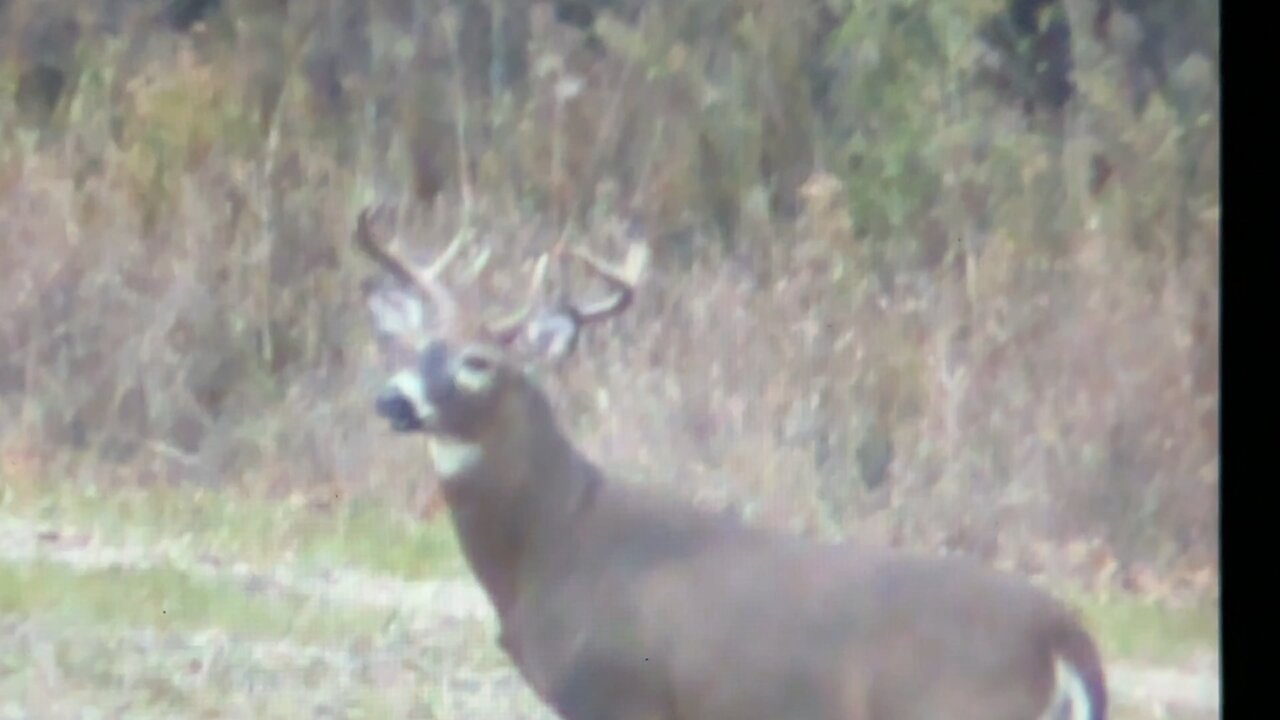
(394, 310)
(553, 336)
(399, 318)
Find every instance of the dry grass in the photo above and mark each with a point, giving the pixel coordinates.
(181, 298)
(167, 603)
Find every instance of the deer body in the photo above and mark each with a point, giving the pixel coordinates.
(617, 603)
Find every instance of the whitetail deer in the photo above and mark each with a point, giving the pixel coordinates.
(616, 603)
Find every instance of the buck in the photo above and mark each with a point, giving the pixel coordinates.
(616, 602)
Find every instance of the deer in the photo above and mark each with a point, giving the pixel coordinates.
(616, 601)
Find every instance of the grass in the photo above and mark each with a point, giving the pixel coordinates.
(363, 534)
(125, 671)
(167, 599)
(372, 536)
(155, 640)
(158, 640)
(1136, 628)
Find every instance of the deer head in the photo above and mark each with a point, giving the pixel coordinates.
(460, 377)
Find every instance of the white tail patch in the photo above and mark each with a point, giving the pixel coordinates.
(1070, 699)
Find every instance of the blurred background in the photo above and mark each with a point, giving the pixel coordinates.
(941, 275)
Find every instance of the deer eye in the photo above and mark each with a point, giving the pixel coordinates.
(475, 373)
(477, 364)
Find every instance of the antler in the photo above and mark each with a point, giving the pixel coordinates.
(426, 281)
(574, 317)
(622, 281)
(505, 329)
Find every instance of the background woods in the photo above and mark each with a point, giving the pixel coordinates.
(939, 274)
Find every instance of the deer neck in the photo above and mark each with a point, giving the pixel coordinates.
(513, 510)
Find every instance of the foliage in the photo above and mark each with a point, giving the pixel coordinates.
(880, 288)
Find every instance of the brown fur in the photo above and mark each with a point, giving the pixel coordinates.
(617, 603)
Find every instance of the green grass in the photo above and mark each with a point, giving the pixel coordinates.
(373, 536)
(128, 641)
(167, 599)
(1135, 628)
(48, 670)
(362, 534)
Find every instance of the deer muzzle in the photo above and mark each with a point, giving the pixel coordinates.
(403, 404)
(449, 393)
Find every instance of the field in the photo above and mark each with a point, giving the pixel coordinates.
(930, 274)
(165, 603)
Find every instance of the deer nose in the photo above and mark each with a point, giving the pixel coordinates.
(401, 402)
(397, 409)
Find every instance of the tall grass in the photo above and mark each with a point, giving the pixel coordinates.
(884, 302)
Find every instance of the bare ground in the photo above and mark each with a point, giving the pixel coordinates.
(437, 661)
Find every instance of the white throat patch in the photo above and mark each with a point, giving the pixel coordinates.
(453, 457)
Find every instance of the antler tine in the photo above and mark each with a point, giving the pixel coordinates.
(504, 329)
(622, 281)
(426, 281)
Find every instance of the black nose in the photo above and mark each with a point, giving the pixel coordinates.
(397, 409)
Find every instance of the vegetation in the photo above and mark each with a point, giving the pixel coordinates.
(942, 275)
(124, 604)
